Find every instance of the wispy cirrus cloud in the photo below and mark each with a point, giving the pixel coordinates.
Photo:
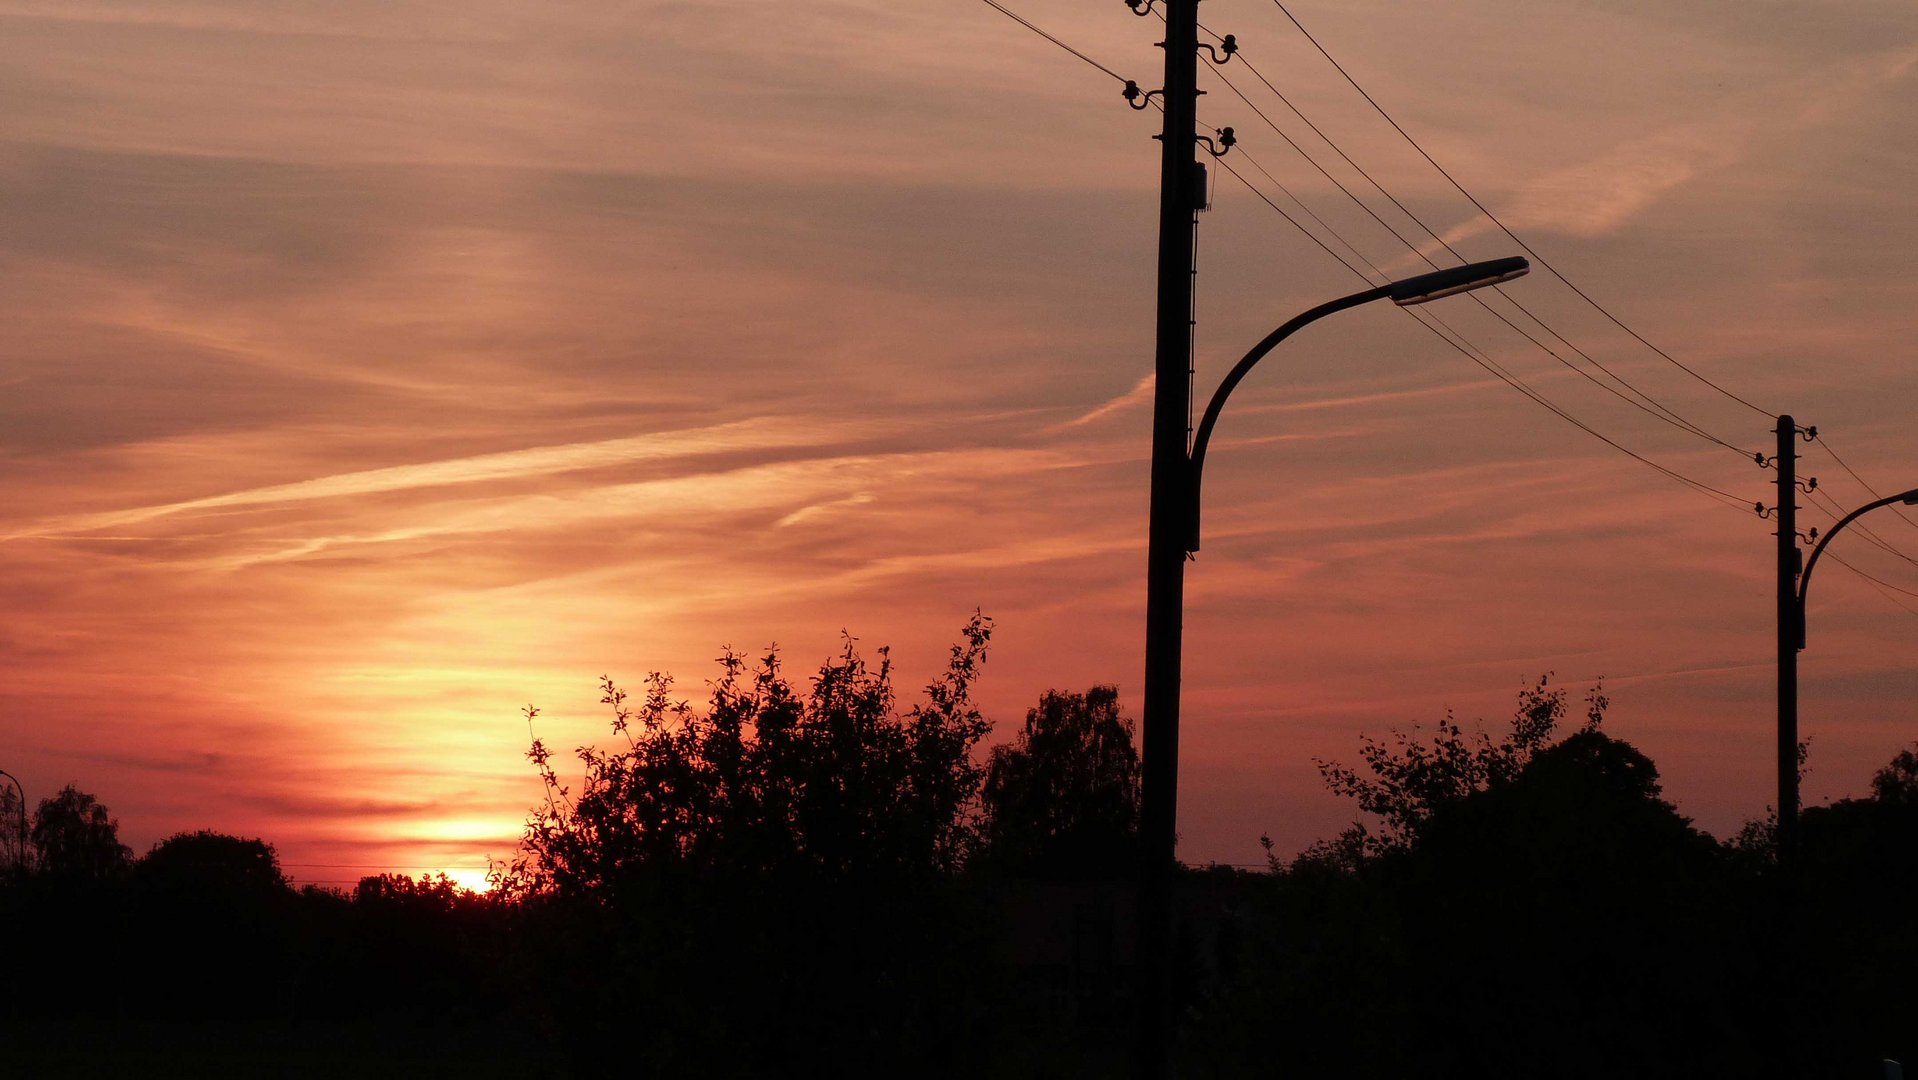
(1140, 394)
(1601, 194)
(758, 434)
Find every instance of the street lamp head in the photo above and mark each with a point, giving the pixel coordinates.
(1428, 287)
(1909, 498)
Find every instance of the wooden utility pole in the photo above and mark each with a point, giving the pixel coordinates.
(1180, 194)
(1788, 623)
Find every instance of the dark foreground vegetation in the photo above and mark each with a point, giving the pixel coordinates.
(812, 881)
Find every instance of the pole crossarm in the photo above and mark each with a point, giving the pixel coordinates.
(1909, 498)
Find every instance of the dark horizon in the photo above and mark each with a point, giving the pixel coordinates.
(799, 878)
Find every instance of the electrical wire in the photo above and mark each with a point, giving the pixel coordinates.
(1837, 512)
(1632, 395)
(1323, 137)
(1422, 317)
(1294, 222)
(1826, 447)
(1518, 384)
(1884, 588)
(1497, 371)
(1356, 201)
(1300, 203)
(1642, 401)
(1493, 218)
(1464, 347)
(1879, 582)
(1015, 17)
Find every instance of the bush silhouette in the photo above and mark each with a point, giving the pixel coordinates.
(1063, 799)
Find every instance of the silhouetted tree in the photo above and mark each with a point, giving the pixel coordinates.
(1576, 874)
(208, 864)
(201, 961)
(1586, 812)
(215, 927)
(74, 838)
(1535, 907)
(1755, 845)
(1897, 782)
(1063, 800)
(426, 892)
(423, 951)
(787, 847)
(835, 781)
(1412, 780)
(1858, 942)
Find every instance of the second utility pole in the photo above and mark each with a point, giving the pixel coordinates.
(1179, 195)
(1788, 623)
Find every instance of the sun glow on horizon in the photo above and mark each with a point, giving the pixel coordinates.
(472, 879)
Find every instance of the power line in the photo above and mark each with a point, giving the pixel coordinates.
(1323, 137)
(1881, 583)
(1356, 201)
(1478, 357)
(1294, 222)
(1826, 447)
(1470, 351)
(1674, 417)
(1637, 398)
(1016, 17)
(1493, 218)
(1837, 512)
(1884, 588)
(1663, 413)
(1300, 203)
(1356, 272)
(1519, 384)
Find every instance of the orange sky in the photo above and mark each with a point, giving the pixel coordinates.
(374, 369)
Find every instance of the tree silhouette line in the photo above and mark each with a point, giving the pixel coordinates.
(795, 878)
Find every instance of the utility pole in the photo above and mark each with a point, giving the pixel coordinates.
(1180, 192)
(1788, 616)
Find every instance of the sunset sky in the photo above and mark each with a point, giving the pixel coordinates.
(371, 370)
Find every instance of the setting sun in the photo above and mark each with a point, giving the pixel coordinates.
(468, 878)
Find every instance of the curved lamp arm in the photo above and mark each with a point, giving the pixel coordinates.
(1405, 293)
(1909, 498)
(1238, 372)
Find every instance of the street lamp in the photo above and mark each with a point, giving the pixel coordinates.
(1788, 703)
(1175, 523)
(1406, 293)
